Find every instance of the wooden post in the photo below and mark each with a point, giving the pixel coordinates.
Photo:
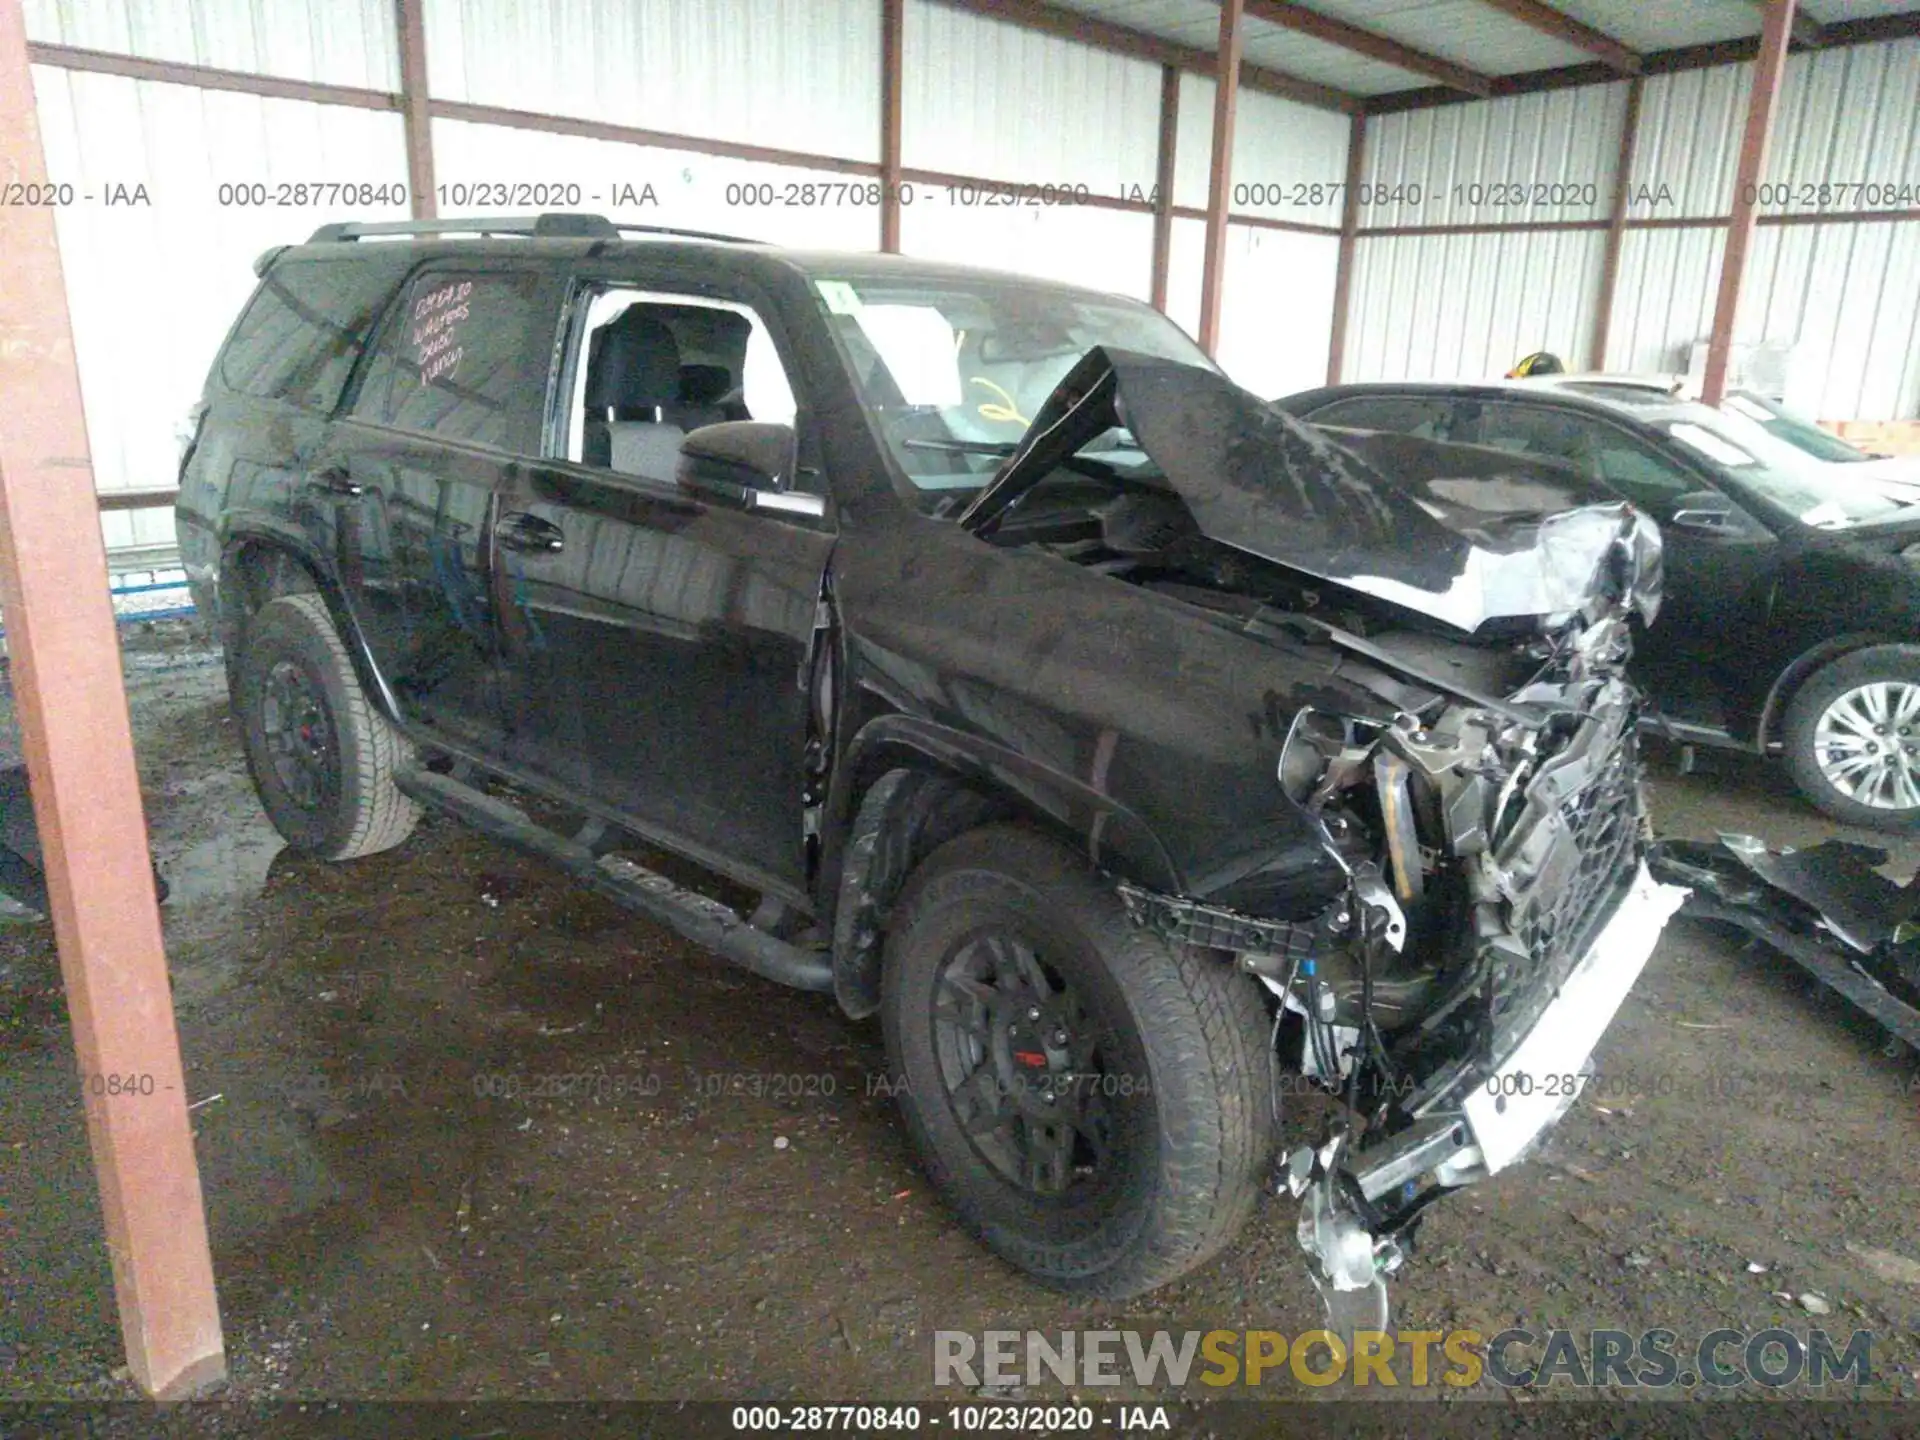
(1768, 67)
(1163, 176)
(1349, 237)
(1616, 228)
(86, 796)
(892, 71)
(417, 119)
(1226, 98)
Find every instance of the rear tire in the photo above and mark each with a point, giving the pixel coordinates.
(323, 760)
(1852, 738)
(1118, 1140)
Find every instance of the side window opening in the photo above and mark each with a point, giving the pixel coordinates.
(656, 367)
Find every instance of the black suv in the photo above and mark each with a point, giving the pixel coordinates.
(1111, 735)
(1792, 615)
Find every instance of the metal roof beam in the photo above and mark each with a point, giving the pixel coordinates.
(1563, 27)
(1806, 30)
(1369, 43)
(1835, 34)
(1065, 24)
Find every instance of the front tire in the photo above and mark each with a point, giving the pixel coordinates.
(1095, 1105)
(1853, 738)
(323, 760)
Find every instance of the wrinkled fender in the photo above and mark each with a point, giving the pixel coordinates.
(265, 531)
(1105, 830)
(920, 784)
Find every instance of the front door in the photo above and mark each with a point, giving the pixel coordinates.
(654, 640)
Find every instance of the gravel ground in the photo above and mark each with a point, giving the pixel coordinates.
(481, 1135)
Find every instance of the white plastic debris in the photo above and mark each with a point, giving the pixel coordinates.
(779, 1142)
(1816, 1304)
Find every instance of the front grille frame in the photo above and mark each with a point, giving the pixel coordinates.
(1564, 868)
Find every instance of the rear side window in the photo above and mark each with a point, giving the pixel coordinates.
(1396, 414)
(466, 357)
(305, 328)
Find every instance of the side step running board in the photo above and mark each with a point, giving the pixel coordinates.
(702, 920)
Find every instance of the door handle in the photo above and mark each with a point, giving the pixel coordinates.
(334, 480)
(530, 532)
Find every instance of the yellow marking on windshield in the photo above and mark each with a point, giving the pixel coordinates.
(1009, 412)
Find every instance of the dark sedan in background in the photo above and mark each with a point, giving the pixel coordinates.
(1791, 623)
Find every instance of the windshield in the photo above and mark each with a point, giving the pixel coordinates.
(1814, 492)
(1796, 430)
(953, 369)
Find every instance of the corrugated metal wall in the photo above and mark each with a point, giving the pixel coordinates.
(647, 185)
(983, 98)
(1443, 307)
(153, 287)
(798, 74)
(333, 42)
(1845, 296)
(1289, 163)
(1539, 157)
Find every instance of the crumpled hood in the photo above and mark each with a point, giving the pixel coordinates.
(1457, 532)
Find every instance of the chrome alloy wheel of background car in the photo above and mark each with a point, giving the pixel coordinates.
(1867, 744)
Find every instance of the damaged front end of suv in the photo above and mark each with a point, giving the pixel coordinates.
(1485, 810)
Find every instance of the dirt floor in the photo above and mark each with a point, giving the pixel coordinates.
(467, 1132)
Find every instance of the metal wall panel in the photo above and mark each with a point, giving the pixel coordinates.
(1289, 160)
(153, 288)
(1276, 310)
(1443, 307)
(798, 74)
(335, 42)
(644, 185)
(1689, 143)
(1546, 156)
(1847, 298)
(1101, 249)
(1848, 120)
(1664, 300)
(1847, 138)
(986, 98)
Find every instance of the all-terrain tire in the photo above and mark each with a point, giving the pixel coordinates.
(1827, 690)
(1185, 1055)
(351, 806)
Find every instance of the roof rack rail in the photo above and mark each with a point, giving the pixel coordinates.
(557, 224)
(554, 224)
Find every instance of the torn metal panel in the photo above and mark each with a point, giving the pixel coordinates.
(1826, 908)
(1458, 533)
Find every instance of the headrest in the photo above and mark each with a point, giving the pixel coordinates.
(635, 364)
(704, 384)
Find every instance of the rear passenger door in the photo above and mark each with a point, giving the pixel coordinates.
(451, 403)
(656, 637)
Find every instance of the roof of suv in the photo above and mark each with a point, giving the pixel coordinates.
(566, 235)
